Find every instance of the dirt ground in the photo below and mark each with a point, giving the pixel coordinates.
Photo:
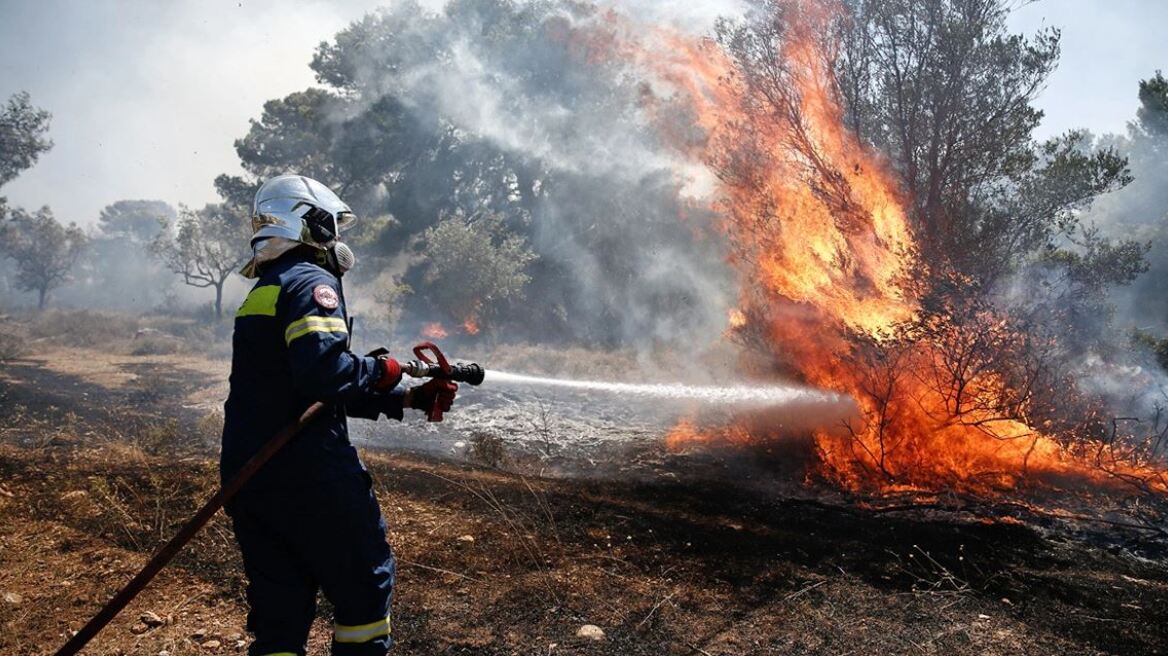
(103, 456)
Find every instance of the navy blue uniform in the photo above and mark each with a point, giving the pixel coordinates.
(308, 519)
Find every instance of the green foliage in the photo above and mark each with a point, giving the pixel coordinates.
(205, 247)
(294, 134)
(390, 293)
(236, 192)
(43, 250)
(135, 220)
(1096, 263)
(1157, 347)
(474, 267)
(1153, 112)
(22, 136)
(946, 91)
(1037, 210)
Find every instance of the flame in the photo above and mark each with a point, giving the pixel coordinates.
(822, 239)
(686, 434)
(471, 326)
(736, 318)
(434, 331)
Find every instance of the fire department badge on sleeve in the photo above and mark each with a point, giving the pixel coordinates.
(326, 297)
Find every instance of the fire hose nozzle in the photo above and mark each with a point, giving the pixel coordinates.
(469, 373)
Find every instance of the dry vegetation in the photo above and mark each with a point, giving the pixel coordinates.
(92, 479)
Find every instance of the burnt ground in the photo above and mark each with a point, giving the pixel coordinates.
(97, 470)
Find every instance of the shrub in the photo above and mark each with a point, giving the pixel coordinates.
(13, 344)
(487, 448)
(155, 344)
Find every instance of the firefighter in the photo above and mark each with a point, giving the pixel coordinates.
(308, 520)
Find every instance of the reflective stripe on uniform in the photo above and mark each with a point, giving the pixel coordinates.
(362, 633)
(314, 324)
(261, 301)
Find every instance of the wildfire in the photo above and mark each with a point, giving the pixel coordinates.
(434, 331)
(470, 326)
(821, 237)
(687, 434)
(736, 318)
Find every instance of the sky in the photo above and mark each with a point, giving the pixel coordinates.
(1108, 46)
(147, 97)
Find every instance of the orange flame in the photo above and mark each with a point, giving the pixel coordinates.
(822, 238)
(736, 318)
(471, 326)
(434, 331)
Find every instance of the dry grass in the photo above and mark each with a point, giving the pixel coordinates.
(13, 341)
(117, 333)
(663, 568)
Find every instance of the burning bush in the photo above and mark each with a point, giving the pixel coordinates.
(875, 276)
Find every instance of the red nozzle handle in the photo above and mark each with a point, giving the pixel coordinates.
(435, 413)
(420, 353)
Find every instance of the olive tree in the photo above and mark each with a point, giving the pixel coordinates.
(22, 136)
(43, 250)
(475, 267)
(205, 247)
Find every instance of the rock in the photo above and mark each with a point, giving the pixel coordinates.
(590, 632)
(211, 644)
(163, 653)
(199, 634)
(139, 628)
(466, 538)
(151, 619)
(13, 598)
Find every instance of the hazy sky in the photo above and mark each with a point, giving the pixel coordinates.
(1108, 47)
(148, 96)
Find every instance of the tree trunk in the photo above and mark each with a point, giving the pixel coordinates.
(219, 299)
(42, 295)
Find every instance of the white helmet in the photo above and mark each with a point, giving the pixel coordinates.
(290, 210)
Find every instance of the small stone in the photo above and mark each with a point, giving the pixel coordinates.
(590, 632)
(139, 628)
(163, 653)
(211, 644)
(199, 634)
(151, 619)
(235, 636)
(466, 538)
(13, 598)
(980, 616)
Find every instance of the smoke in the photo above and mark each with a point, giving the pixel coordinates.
(620, 221)
(1109, 362)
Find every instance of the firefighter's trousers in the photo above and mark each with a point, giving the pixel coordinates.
(297, 539)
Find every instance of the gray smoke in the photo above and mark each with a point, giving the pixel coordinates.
(1116, 367)
(615, 213)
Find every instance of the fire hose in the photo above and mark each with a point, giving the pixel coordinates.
(423, 367)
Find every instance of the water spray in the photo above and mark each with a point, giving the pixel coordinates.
(757, 395)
